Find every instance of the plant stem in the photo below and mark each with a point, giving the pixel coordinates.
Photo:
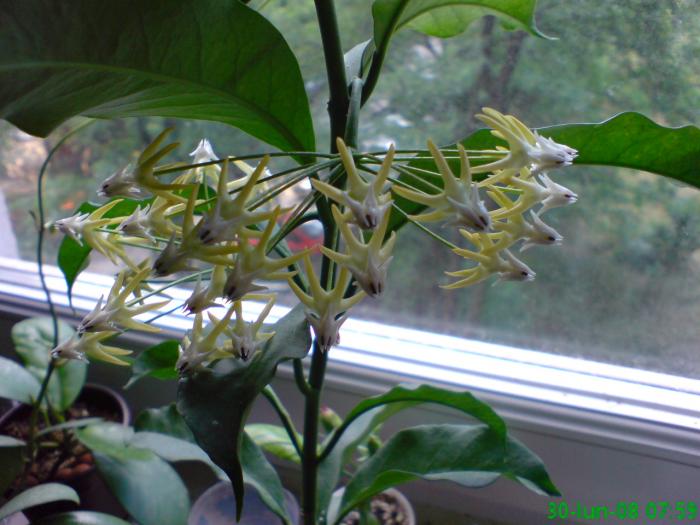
(335, 68)
(269, 393)
(309, 458)
(338, 112)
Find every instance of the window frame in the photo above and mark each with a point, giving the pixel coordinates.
(584, 418)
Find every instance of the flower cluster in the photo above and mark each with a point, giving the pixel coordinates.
(229, 237)
(493, 230)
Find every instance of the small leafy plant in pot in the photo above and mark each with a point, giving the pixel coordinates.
(196, 221)
(67, 452)
(40, 446)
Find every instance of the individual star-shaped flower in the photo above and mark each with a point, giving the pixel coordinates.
(90, 345)
(251, 263)
(489, 262)
(177, 257)
(549, 194)
(326, 310)
(87, 228)
(203, 298)
(458, 202)
(515, 228)
(367, 201)
(116, 314)
(368, 262)
(229, 216)
(247, 338)
(197, 349)
(525, 148)
(136, 180)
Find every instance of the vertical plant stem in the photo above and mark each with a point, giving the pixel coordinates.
(41, 230)
(335, 68)
(338, 112)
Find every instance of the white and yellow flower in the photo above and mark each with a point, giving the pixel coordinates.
(458, 203)
(367, 202)
(368, 262)
(326, 310)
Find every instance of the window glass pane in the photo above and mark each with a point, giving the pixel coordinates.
(623, 288)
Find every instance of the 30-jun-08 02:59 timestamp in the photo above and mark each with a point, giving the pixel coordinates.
(662, 511)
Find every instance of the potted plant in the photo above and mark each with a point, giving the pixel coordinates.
(40, 447)
(196, 222)
(68, 446)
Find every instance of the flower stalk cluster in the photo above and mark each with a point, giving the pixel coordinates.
(493, 230)
(228, 239)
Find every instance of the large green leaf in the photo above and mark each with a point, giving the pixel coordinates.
(275, 440)
(16, 382)
(454, 18)
(628, 140)
(112, 439)
(164, 420)
(157, 361)
(11, 460)
(173, 449)
(442, 18)
(215, 402)
(202, 59)
(73, 257)
(80, 518)
(33, 339)
(468, 455)
(148, 488)
(372, 412)
(39, 495)
(258, 472)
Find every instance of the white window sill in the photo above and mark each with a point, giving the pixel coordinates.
(607, 433)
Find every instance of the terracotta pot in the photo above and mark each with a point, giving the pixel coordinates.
(216, 506)
(93, 491)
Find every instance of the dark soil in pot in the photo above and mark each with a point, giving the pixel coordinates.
(72, 465)
(389, 508)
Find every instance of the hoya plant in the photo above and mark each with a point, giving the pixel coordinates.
(216, 219)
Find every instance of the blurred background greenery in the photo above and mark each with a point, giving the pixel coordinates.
(624, 286)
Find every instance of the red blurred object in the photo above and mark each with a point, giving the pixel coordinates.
(308, 235)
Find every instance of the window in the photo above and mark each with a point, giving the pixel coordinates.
(594, 363)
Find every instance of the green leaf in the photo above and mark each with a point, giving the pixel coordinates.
(173, 449)
(76, 423)
(33, 339)
(258, 472)
(148, 488)
(164, 420)
(632, 140)
(195, 59)
(215, 402)
(11, 460)
(392, 15)
(274, 439)
(39, 495)
(372, 412)
(81, 518)
(454, 18)
(444, 17)
(358, 59)
(468, 455)
(16, 382)
(113, 440)
(628, 140)
(157, 361)
(73, 258)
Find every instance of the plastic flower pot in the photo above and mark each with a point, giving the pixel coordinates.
(80, 472)
(216, 506)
